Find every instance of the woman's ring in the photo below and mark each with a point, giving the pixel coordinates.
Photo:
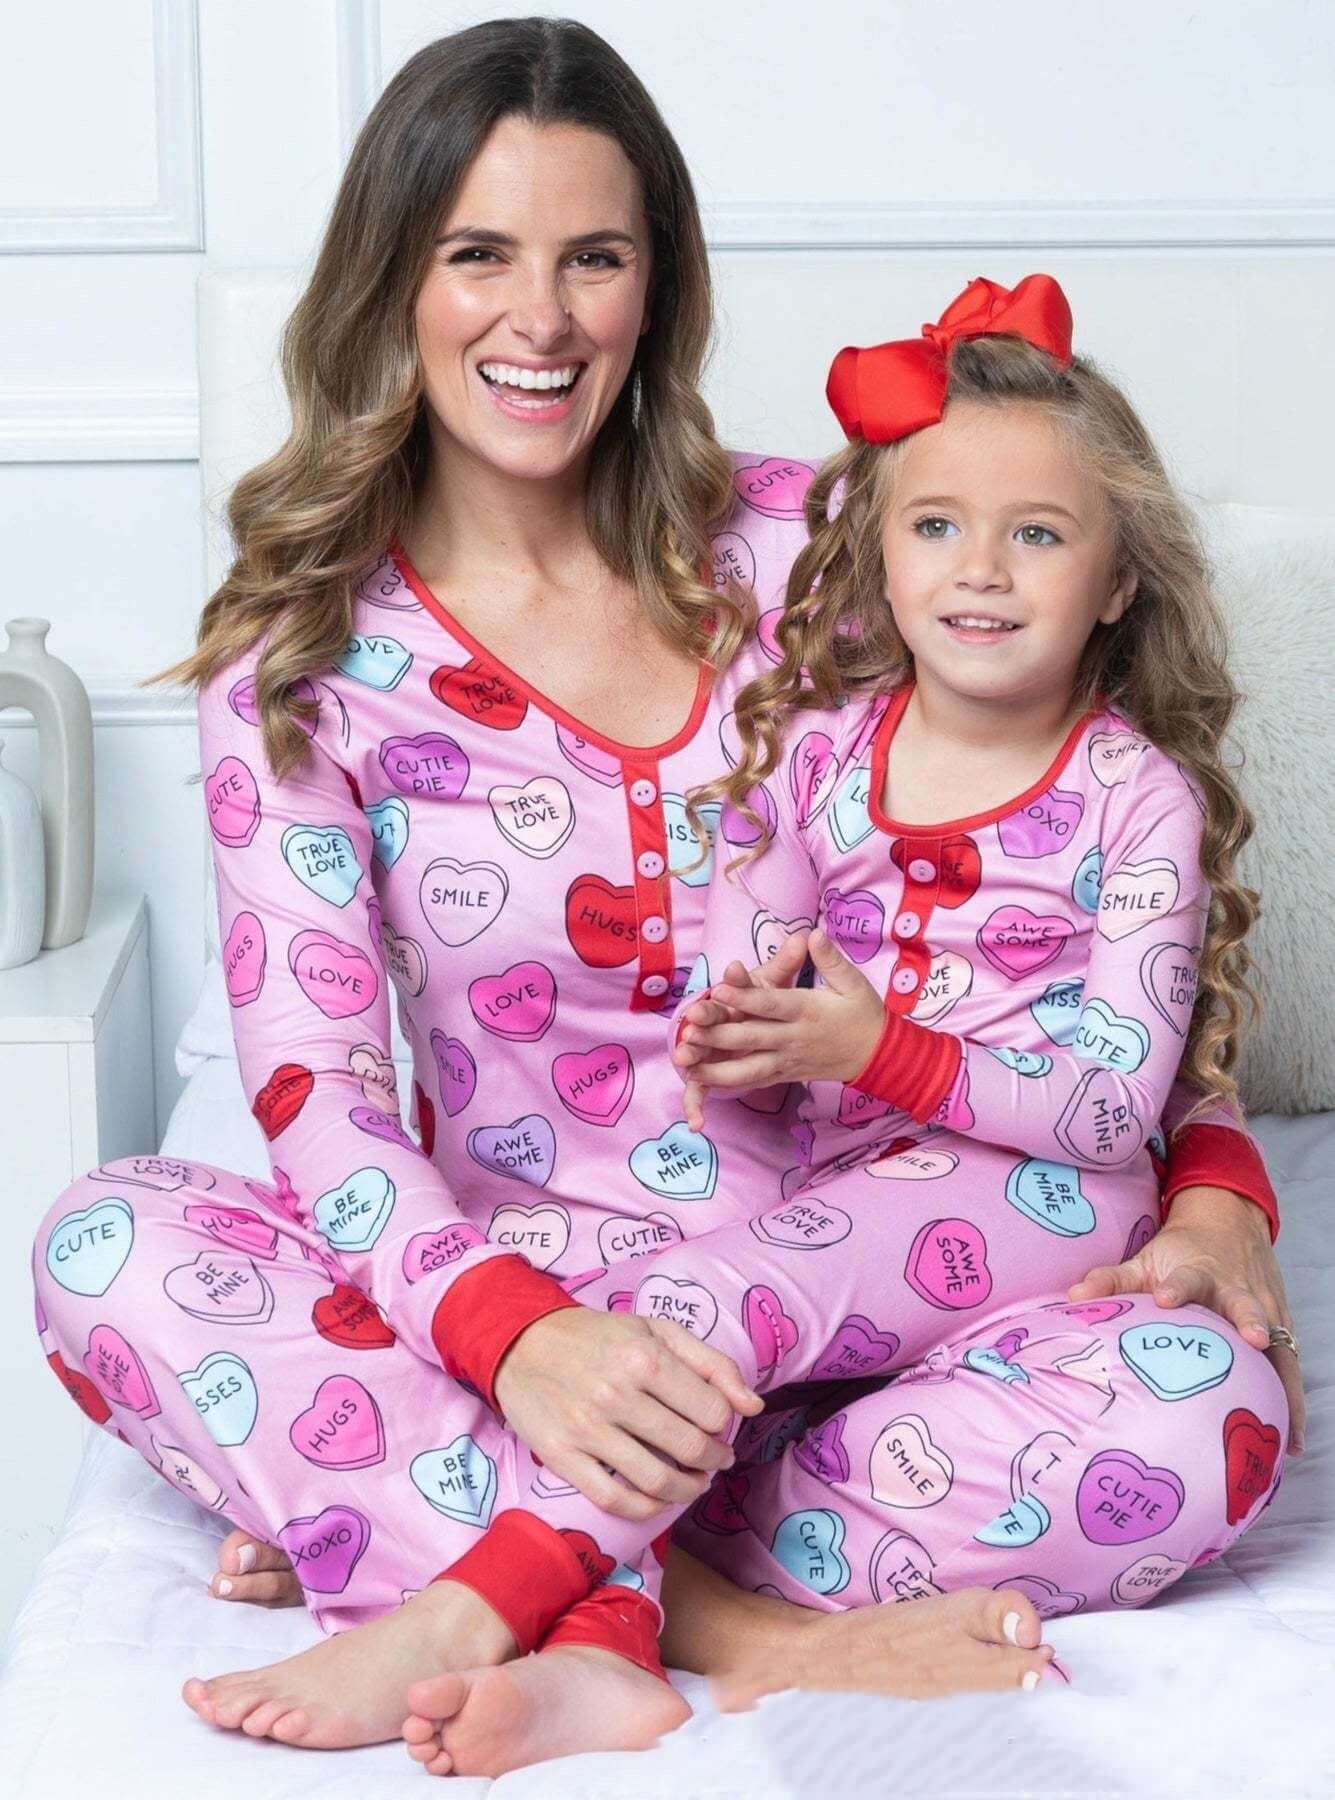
(1280, 1334)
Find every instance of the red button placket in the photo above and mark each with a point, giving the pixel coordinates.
(921, 862)
(653, 904)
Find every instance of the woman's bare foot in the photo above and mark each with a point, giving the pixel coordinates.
(976, 1639)
(256, 1573)
(558, 1703)
(349, 1689)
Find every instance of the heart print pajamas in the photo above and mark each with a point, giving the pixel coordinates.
(312, 1355)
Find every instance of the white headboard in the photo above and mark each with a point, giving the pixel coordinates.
(1232, 375)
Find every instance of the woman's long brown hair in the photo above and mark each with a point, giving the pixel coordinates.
(307, 523)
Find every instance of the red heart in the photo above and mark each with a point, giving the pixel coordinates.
(347, 1317)
(600, 922)
(720, 1506)
(960, 864)
(80, 1389)
(481, 692)
(1251, 1451)
(282, 1097)
(426, 1119)
(596, 1563)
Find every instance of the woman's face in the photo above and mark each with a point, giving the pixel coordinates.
(997, 550)
(534, 299)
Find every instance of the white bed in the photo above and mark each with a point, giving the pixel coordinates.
(1226, 1684)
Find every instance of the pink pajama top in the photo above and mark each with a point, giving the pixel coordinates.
(459, 844)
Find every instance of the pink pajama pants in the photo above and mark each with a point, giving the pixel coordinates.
(959, 1423)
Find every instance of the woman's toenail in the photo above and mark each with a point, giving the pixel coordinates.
(245, 1559)
(1010, 1627)
(1030, 1681)
(224, 1585)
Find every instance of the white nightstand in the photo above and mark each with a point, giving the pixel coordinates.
(76, 1090)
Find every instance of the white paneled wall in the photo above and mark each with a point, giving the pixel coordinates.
(1170, 162)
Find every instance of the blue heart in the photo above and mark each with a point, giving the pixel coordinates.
(86, 1250)
(525, 1149)
(1057, 1010)
(808, 1544)
(1088, 880)
(849, 818)
(351, 1217)
(1176, 1360)
(222, 1391)
(1022, 1523)
(458, 1480)
(698, 979)
(1025, 1062)
(621, 1576)
(389, 828)
(683, 845)
(991, 1362)
(680, 1165)
(1106, 1037)
(378, 662)
(1049, 1194)
(322, 859)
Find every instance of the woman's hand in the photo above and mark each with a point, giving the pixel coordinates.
(1214, 1250)
(592, 1392)
(757, 1033)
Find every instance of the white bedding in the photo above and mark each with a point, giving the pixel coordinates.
(1227, 1684)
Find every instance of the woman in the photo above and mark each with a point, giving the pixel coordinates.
(515, 222)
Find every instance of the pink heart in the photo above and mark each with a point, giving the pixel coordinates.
(241, 699)
(857, 1109)
(774, 486)
(720, 1507)
(218, 1287)
(432, 1250)
(237, 1227)
(456, 1072)
(519, 1005)
(809, 773)
(341, 1428)
(595, 1085)
(947, 1265)
(337, 978)
(589, 758)
(1017, 942)
(115, 1367)
(381, 1125)
(244, 954)
(233, 802)
(772, 1333)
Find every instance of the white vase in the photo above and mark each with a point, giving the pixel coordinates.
(58, 701)
(22, 870)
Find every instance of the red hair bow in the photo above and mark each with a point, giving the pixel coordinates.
(890, 390)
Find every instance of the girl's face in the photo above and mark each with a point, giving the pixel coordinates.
(534, 298)
(998, 554)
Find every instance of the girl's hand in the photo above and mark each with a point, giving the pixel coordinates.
(592, 1392)
(1215, 1250)
(781, 971)
(749, 1036)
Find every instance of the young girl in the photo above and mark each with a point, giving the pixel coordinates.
(988, 770)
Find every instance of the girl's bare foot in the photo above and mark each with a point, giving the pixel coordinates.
(562, 1701)
(257, 1573)
(976, 1639)
(348, 1689)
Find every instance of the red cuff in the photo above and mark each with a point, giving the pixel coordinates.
(526, 1571)
(484, 1311)
(911, 1067)
(617, 1619)
(1217, 1156)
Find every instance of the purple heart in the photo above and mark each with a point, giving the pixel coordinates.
(738, 829)
(857, 1349)
(821, 1452)
(1121, 1500)
(380, 1125)
(430, 764)
(525, 1149)
(324, 1550)
(456, 1072)
(856, 922)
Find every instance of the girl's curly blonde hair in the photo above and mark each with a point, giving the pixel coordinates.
(1162, 663)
